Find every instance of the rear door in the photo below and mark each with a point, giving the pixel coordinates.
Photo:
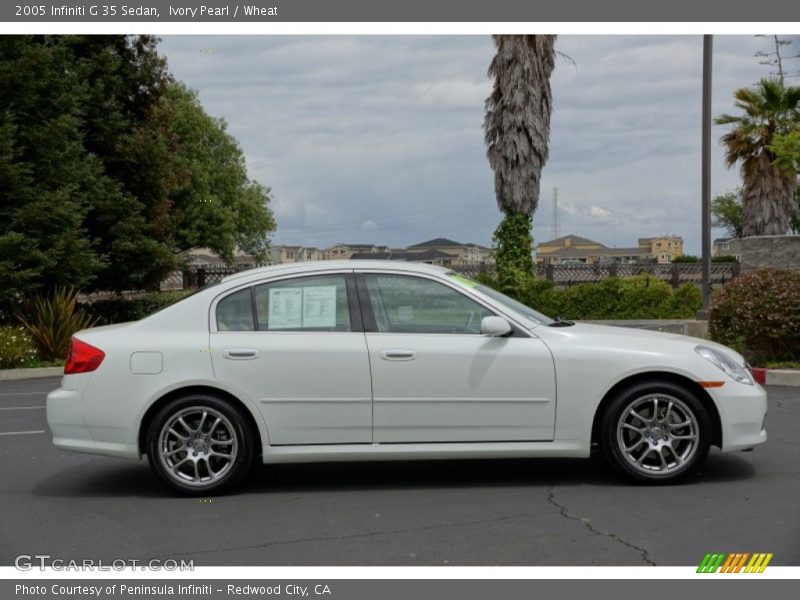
(296, 346)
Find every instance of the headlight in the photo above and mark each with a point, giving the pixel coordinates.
(725, 363)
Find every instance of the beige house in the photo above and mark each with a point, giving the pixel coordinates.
(663, 248)
(573, 249)
(567, 256)
(545, 251)
(460, 253)
(346, 251)
(727, 247)
(292, 254)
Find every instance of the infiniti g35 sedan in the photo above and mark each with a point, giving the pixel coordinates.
(346, 360)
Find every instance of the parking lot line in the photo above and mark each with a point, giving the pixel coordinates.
(21, 432)
(21, 407)
(25, 394)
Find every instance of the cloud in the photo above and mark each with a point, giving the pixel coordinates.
(599, 213)
(369, 225)
(350, 131)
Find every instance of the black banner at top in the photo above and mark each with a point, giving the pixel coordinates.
(116, 11)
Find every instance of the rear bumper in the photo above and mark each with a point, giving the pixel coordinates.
(743, 409)
(69, 430)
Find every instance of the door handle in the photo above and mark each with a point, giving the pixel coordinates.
(240, 353)
(398, 354)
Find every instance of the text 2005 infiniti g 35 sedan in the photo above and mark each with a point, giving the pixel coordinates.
(341, 361)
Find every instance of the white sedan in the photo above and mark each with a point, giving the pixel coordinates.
(360, 360)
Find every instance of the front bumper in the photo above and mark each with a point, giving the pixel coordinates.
(743, 410)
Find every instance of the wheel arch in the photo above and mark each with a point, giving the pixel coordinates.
(655, 376)
(225, 395)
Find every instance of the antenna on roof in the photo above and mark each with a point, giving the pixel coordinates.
(556, 221)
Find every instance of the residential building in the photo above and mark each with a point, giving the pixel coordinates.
(460, 253)
(204, 258)
(579, 250)
(602, 255)
(346, 251)
(569, 242)
(291, 254)
(663, 248)
(727, 247)
(431, 257)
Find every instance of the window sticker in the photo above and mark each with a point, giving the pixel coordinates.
(285, 308)
(319, 306)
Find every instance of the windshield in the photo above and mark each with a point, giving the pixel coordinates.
(502, 299)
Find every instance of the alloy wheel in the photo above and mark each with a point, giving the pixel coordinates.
(197, 446)
(657, 434)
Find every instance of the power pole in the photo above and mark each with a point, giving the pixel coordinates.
(556, 228)
(708, 42)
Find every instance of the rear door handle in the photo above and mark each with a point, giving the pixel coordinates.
(240, 353)
(398, 354)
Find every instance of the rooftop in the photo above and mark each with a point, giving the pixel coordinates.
(573, 239)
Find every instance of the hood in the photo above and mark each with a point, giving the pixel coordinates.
(621, 337)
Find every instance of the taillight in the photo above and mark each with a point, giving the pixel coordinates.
(82, 357)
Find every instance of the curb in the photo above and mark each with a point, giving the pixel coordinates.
(17, 374)
(784, 377)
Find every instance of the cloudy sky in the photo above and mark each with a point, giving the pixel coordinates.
(379, 139)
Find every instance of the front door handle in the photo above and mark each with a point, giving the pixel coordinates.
(240, 353)
(398, 354)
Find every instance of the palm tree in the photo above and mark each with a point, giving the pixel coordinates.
(770, 109)
(517, 131)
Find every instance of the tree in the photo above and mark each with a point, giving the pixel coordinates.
(726, 211)
(107, 166)
(49, 181)
(216, 205)
(517, 132)
(777, 57)
(769, 109)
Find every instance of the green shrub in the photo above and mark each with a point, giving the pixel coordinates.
(16, 348)
(759, 315)
(121, 310)
(640, 297)
(51, 322)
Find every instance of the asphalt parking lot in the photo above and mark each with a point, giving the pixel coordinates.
(512, 512)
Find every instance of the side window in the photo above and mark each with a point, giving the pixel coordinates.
(404, 304)
(316, 303)
(235, 312)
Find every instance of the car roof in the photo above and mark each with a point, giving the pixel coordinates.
(327, 265)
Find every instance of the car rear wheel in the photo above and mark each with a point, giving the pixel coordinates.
(200, 445)
(656, 432)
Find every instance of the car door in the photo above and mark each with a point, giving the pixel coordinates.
(296, 346)
(436, 378)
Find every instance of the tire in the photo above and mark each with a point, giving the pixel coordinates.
(200, 445)
(660, 450)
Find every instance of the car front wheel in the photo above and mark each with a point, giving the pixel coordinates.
(200, 445)
(655, 432)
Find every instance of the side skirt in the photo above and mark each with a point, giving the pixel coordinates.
(426, 451)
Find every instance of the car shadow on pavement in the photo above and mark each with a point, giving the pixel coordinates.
(117, 479)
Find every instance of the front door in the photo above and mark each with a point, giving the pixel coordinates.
(436, 378)
(295, 347)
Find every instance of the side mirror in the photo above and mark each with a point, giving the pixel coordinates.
(495, 326)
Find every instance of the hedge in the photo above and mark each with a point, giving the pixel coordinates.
(639, 297)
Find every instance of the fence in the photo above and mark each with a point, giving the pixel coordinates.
(674, 274)
(562, 275)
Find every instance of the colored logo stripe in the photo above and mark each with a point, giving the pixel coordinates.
(735, 562)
